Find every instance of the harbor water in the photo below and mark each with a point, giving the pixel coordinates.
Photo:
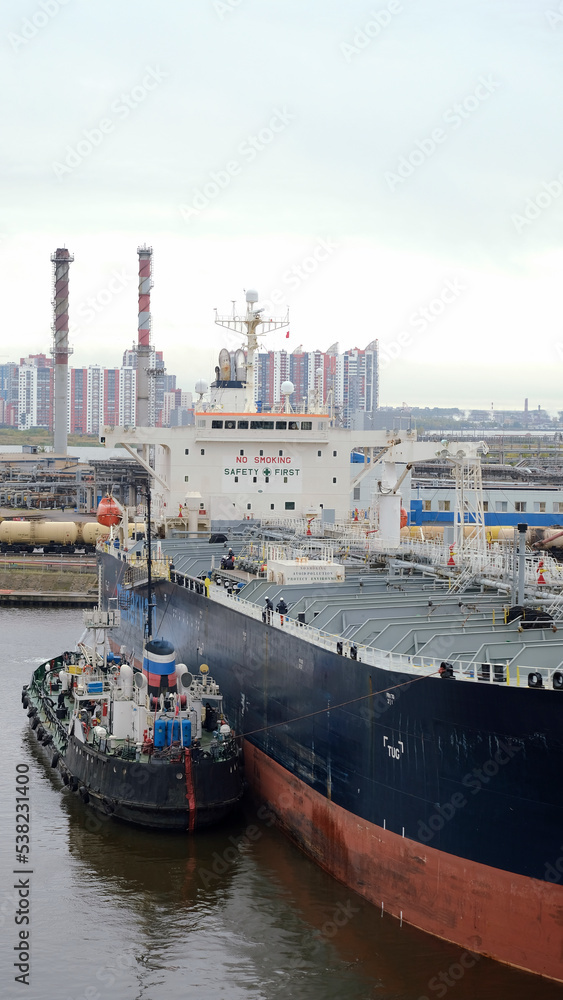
(240, 912)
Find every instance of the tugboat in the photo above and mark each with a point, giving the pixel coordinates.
(149, 746)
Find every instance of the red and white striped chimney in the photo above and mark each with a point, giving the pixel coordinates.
(144, 336)
(61, 260)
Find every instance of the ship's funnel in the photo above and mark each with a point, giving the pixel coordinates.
(159, 666)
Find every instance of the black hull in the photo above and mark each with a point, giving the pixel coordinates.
(468, 773)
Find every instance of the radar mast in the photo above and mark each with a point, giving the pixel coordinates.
(247, 326)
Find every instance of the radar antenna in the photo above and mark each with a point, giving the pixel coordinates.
(247, 326)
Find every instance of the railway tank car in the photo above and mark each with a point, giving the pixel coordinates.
(50, 537)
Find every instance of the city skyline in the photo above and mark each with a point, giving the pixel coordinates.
(401, 182)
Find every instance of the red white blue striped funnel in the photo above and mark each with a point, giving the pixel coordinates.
(159, 666)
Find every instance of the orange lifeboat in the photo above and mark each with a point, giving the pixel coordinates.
(109, 512)
(404, 518)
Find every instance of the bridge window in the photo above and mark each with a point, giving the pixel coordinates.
(306, 425)
(281, 425)
(230, 425)
(290, 505)
(243, 425)
(216, 425)
(186, 451)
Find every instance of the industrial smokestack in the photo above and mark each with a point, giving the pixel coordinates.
(144, 337)
(61, 260)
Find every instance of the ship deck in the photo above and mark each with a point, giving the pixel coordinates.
(403, 617)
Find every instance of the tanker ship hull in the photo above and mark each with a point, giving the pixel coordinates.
(439, 802)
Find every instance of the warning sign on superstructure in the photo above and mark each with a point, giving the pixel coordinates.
(285, 571)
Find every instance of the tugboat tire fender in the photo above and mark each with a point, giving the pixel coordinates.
(25, 700)
(40, 732)
(73, 783)
(55, 759)
(34, 722)
(83, 792)
(31, 711)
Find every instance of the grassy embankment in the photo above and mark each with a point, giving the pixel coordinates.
(41, 437)
(46, 579)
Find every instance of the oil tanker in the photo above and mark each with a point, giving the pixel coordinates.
(404, 726)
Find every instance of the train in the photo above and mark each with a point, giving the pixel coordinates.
(550, 538)
(53, 537)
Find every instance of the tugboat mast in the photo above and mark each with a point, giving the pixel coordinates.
(247, 326)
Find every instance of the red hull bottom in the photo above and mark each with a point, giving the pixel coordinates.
(511, 918)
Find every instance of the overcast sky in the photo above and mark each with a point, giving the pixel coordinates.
(389, 170)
